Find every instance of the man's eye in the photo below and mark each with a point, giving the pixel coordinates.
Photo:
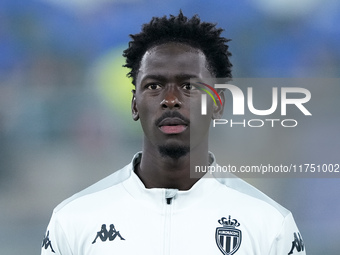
(188, 86)
(153, 86)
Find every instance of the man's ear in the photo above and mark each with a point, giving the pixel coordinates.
(135, 114)
(218, 110)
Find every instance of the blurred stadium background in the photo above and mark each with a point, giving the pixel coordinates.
(65, 101)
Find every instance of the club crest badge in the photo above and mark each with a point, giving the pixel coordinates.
(228, 237)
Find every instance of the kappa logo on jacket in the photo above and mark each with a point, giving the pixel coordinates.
(103, 234)
(47, 243)
(228, 237)
(297, 244)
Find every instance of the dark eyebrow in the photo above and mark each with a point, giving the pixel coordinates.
(154, 77)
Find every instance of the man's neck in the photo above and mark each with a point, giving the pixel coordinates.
(159, 171)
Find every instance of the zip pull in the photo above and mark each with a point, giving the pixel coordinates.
(170, 194)
(168, 200)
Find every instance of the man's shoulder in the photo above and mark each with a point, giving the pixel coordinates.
(112, 180)
(253, 193)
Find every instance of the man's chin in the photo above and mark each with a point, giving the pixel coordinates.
(174, 151)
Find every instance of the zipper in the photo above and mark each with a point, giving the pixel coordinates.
(169, 197)
(168, 200)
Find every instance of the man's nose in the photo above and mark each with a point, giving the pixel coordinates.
(171, 99)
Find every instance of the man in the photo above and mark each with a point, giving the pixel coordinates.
(153, 204)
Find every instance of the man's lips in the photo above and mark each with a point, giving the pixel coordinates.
(173, 129)
(172, 125)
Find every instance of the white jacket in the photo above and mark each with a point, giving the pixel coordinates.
(119, 216)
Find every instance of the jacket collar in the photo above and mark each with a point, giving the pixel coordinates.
(157, 197)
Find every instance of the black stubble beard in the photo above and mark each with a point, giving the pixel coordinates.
(173, 151)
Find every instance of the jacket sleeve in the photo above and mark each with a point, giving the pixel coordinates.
(55, 241)
(289, 240)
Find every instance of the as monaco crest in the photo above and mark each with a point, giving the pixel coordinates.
(228, 237)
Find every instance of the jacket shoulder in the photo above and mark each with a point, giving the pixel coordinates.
(109, 181)
(242, 186)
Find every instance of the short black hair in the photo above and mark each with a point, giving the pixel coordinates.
(202, 35)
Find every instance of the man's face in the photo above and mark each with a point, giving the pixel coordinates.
(164, 96)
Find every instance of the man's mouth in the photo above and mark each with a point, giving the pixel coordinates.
(172, 125)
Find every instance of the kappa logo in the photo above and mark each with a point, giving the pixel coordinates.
(297, 243)
(103, 234)
(228, 237)
(47, 243)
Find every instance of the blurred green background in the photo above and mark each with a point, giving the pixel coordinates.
(65, 99)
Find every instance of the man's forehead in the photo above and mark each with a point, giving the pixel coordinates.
(174, 53)
(173, 47)
(171, 60)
